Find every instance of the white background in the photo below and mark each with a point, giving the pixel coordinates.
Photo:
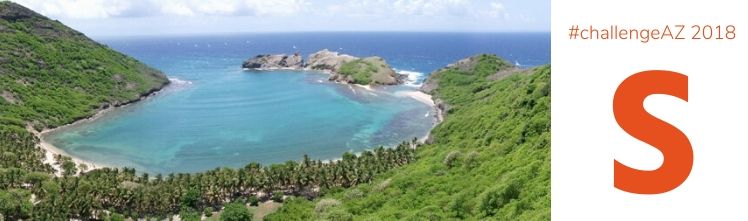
(586, 138)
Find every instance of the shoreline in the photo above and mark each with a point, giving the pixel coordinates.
(50, 151)
(416, 94)
(419, 96)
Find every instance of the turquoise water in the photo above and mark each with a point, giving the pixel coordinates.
(215, 114)
(242, 117)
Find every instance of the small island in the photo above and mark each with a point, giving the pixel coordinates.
(343, 68)
(492, 116)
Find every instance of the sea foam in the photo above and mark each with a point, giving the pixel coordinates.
(179, 82)
(176, 84)
(414, 78)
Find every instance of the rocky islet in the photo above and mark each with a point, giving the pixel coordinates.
(343, 68)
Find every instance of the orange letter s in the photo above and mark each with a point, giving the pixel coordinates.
(628, 109)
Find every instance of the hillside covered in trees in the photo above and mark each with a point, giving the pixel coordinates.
(52, 75)
(489, 158)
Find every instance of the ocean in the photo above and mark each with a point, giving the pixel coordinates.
(217, 115)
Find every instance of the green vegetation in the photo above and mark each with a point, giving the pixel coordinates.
(490, 158)
(14, 204)
(236, 212)
(53, 75)
(116, 217)
(359, 70)
(261, 210)
(89, 194)
(367, 71)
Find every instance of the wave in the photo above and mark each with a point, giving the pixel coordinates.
(414, 78)
(179, 82)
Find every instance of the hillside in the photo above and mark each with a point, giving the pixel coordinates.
(490, 158)
(369, 70)
(51, 75)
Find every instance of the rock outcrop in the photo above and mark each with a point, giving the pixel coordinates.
(280, 61)
(342, 67)
(326, 60)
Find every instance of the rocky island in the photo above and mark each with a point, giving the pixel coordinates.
(279, 61)
(343, 68)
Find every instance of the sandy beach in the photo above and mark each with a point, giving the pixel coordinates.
(50, 151)
(417, 95)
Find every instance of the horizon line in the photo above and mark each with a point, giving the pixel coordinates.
(320, 32)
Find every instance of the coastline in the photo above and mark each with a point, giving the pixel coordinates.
(418, 95)
(50, 151)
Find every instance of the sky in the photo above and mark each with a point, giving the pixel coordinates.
(184, 17)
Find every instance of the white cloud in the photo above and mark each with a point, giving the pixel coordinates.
(176, 8)
(214, 7)
(361, 8)
(113, 17)
(275, 7)
(496, 10)
(415, 8)
(91, 9)
(431, 7)
(80, 8)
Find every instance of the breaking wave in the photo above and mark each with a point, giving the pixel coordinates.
(414, 78)
(179, 82)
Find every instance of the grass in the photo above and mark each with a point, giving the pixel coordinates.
(360, 70)
(370, 70)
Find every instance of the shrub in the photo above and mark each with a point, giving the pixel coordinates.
(236, 212)
(429, 213)
(116, 217)
(383, 185)
(325, 205)
(208, 211)
(277, 197)
(450, 159)
(496, 198)
(471, 158)
(338, 214)
(459, 207)
(253, 201)
(354, 194)
(189, 214)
